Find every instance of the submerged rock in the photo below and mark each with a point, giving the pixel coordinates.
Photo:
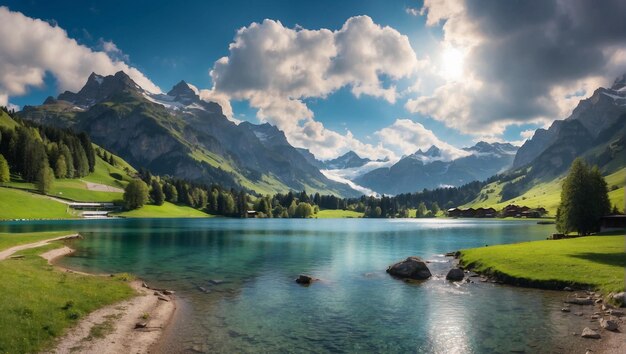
(580, 301)
(455, 274)
(410, 268)
(590, 333)
(304, 279)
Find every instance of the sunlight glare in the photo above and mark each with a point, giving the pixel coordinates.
(452, 63)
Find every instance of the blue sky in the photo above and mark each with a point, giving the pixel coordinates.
(170, 41)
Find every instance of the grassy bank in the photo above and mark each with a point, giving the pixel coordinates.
(596, 262)
(8, 240)
(40, 303)
(337, 214)
(167, 210)
(16, 204)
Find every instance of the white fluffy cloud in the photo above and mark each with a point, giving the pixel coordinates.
(30, 48)
(523, 61)
(275, 68)
(406, 137)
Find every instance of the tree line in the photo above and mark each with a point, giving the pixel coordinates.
(39, 154)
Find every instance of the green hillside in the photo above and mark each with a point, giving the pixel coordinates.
(546, 194)
(6, 121)
(16, 204)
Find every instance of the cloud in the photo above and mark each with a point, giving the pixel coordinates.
(31, 48)
(412, 11)
(527, 134)
(276, 68)
(406, 137)
(524, 61)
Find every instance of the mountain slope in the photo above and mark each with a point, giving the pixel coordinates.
(596, 114)
(180, 135)
(425, 170)
(596, 131)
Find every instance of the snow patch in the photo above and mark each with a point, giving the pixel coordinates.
(334, 177)
(615, 97)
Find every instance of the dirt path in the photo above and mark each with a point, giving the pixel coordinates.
(131, 326)
(4, 254)
(102, 187)
(117, 326)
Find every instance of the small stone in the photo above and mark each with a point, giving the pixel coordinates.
(608, 325)
(567, 288)
(620, 298)
(565, 309)
(168, 292)
(595, 317)
(141, 324)
(578, 313)
(163, 298)
(156, 293)
(590, 333)
(598, 301)
(616, 313)
(144, 285)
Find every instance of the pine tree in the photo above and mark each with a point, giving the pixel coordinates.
(171, 194)
(45, 178)
(60, 168)
(156, 193)
(584, 200)
(5, 174)
(421, 210)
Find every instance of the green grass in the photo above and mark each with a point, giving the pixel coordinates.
(45, 302)
(546, 195)
(75, 189)
(167, 210)
(8, 240)
(595, 261)
(337, 214)
(16, 204)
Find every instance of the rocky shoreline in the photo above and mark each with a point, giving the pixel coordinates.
(606, 318)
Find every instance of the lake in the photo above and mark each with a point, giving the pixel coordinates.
(235, 280)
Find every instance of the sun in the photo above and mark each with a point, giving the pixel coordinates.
(452, 63)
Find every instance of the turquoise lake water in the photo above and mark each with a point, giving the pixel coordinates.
(252, 304)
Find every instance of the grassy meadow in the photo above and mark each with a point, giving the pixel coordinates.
(167, 210)
(593, 261)
(337, 214)
(45, 302)
(17, 204)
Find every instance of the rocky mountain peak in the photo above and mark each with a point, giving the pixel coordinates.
(184, 93)
(98, 88)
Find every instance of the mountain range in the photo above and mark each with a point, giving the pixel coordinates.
(181, 135)
(428, 170)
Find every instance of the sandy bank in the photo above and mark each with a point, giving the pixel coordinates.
(117, 324)
(131, 326)
(4, 254)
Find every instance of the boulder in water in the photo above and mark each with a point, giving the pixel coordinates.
(455, 274)
(410, 268)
